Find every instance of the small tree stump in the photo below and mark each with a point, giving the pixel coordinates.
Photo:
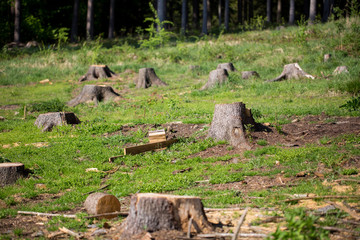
(97, 72)
(327, 57)
(340, 70)
(153, 212)
(290, 71)
(95, 94)
(228, 66)
(229, 123)
(47, 121)
(147, 78)
(10, 172)
(216, 77)
(249, 74)
(98, 203)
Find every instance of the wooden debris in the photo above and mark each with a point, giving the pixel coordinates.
(111, 159)
(124, 214)
(55, 234)
(148, 147)
(222, 235)
(347, 180)
(101, 188)
(157, 136)
(345, 209)
(99, 203)
(71, 233)
(11, 172)
(340, 70)
(182, 170)
(47, 214)
(237, 230)
(290, 71)
(321, 197)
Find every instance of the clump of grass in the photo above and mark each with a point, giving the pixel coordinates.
(54, 105)
(262, 142)
(350, 171)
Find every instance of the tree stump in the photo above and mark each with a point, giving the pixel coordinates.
(147, 78)
(228, 66)
(10, 172)
(216, 77)
(327, 57)
(290, 71)
(98, 203)
(229, 123)
(95, 94)
(47, 121)
(153, 212)
(340, 70)
(97, 72)
(249, 74)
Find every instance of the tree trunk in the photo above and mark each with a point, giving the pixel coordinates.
(97, 72)
(148, 78)
(95, 94)
(278, 11)
(229, 123)
(205, 18)
(292, 12)
(153, 212)
(312, 12)
(290, 71)
(246, 15)
(209, 14)
(111, 19)
(99, 203)
(49, 120)
(268, 11)
(306, 8)
(195, 15)
(161, 9)
(220, 12)
(183, 17)
(11, 172)
(216, 77)
(227, 15)
(17, 21)
(251, 9)
(326, 10)
(90, 20)
(227, 66)
(240, 9)
(74, 24)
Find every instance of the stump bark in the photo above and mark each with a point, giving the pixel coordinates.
(97, 72)
(47, 121)
(216, 77)
(249, 74)
(228, 66)
(95, 94)
(153, 212)
(327, 57)
(147, 78)
(340, 70)
(98, 203)
(229, 123)
(290, 71)
(10, 172)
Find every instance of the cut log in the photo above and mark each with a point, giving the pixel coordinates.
(99, 203)
(10, 172)
(147, 78)
(216, 77)
(340, 70)
(157, 136)
(249, 74)
(229, 123)
(148, 147)
(153, 212)
(47, 121)
(290, 71)
(94, 93)
(228, 66)
(97, 72)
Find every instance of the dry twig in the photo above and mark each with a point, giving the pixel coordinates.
(345, 209)
(68, 231)
(46, 214)
(321, 197)
(124, 214)
(242, 218)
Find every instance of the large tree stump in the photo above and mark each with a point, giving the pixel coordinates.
(95, 94)
(153, 212)
(290, 71)
(97, 72)
(10, 172)
(147, 78)
(229, 123)
(249, 74)
(98, 203)
(47, 121)
(228, 66)
(216, 77)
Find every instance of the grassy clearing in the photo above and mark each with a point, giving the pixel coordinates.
(68, 151)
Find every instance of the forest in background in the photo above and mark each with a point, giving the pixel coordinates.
(42, 21)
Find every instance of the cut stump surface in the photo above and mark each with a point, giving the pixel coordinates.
(49, 120)
(94, 93)
(147, 78)
(99, 203)
(153, 212)
(10, 172)
(97, 72)
(216, 77)
(290, 71)
(228, 66)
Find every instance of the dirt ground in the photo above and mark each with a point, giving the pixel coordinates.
(302, 131)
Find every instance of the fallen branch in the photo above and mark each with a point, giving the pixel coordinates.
(348, 180)
(320, 197)
(111, 159)
(221, 209)
(124, 214)
(242, 218)
(335, 229)
(46, 214)
(55, 234)
(281, 185)
(345, 209)
(68, 231)
(219, 235)
(101, 188)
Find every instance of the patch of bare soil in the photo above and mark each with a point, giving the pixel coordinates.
(9, 107)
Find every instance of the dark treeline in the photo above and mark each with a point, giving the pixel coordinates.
(26, 20)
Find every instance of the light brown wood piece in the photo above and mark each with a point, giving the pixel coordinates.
(345, 209)
(47, 214)
(10, 172)
(321, 197)
(72, 233)
(157, 136)
(148, 147)
(98, 203)
(242, 218)
(108, 214)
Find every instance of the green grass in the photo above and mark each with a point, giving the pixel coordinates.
(61, 165)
